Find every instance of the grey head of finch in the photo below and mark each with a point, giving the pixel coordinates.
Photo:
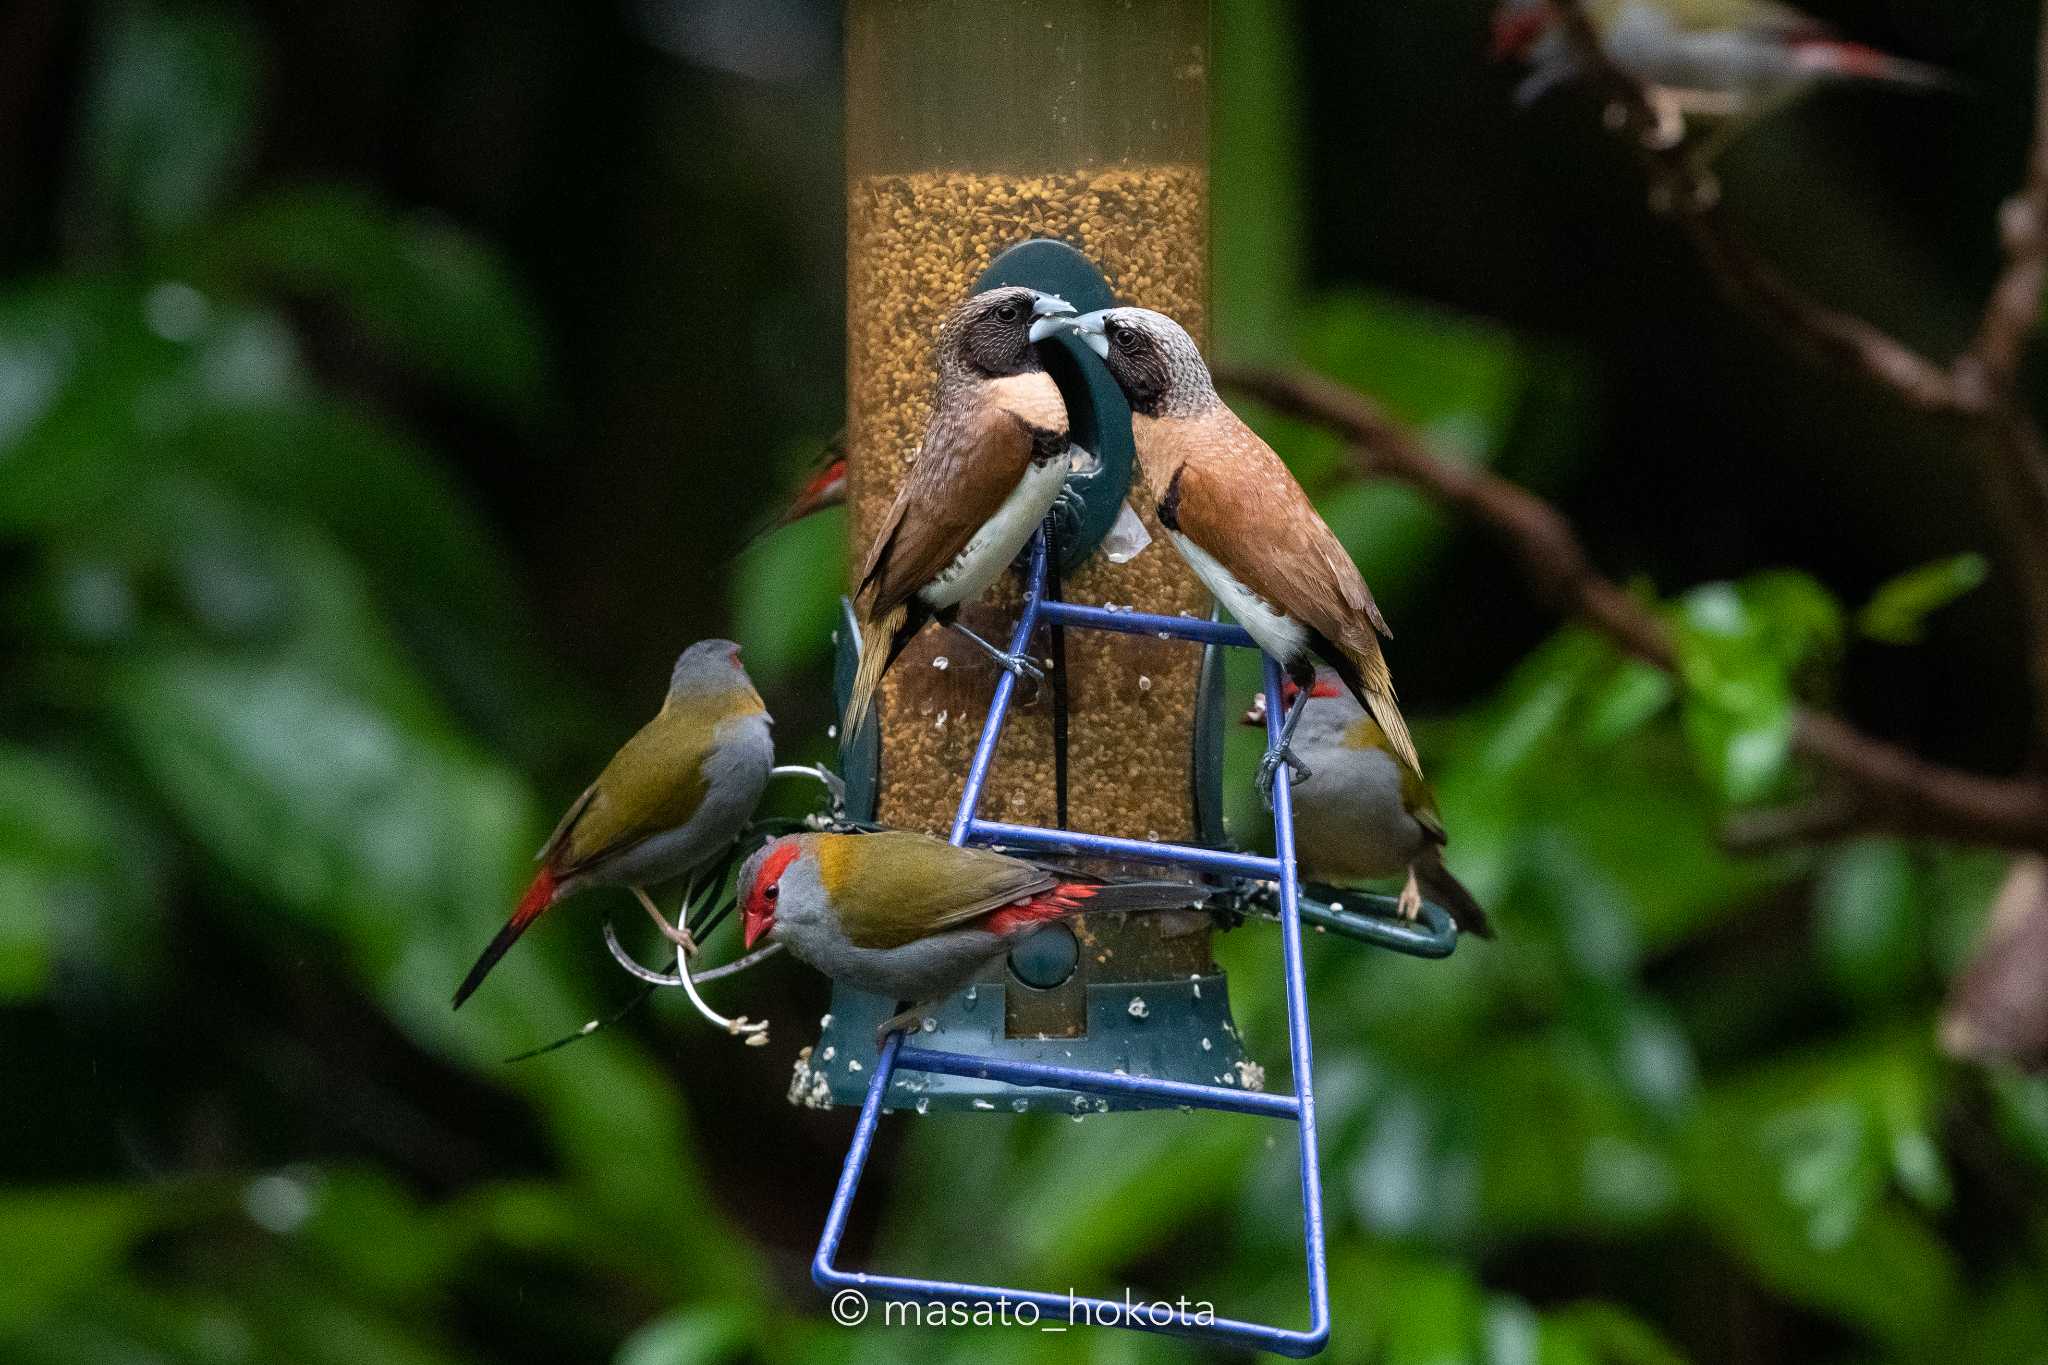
(991, 335)
(1152, 358)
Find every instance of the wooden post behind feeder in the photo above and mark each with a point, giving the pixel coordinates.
(974, 129)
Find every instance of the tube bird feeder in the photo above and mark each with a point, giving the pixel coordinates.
(973, 129)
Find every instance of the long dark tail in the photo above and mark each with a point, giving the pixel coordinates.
(881, 640)
(538, 897)
(1446, 890)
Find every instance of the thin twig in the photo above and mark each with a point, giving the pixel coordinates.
(1895, 790)
(1978, 387)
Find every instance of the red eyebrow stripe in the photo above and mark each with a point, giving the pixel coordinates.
(774, 866)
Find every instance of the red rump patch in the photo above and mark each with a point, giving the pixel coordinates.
(1063, 900)
(1850, 59)
(826, 481)
(1515, 31)
(758, 910)
(1324, 687)
(538, 897)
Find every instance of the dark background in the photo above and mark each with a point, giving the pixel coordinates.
(325, 592)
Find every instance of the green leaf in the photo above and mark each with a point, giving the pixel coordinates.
(57, 1243)
(170, 105)
(1867, 905)
(1897, 612)
(1741, 651)
(698, 1337)
(431, 295)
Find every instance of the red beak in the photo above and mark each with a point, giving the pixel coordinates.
(753, 924)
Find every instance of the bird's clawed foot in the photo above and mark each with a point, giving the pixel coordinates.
(676, 934)
(1409, 904)
(1270, 765)
(1018, 664)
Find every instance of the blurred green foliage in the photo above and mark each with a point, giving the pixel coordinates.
(277, 720)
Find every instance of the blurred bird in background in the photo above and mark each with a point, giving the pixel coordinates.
(912, 917)
(1729, 61)
(994, 459)
(1366, 813)
(823, 486)
(1244, 525)
(675, 797)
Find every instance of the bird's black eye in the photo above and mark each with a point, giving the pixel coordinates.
(771, 891)
(1126, 338)
(1009, 312)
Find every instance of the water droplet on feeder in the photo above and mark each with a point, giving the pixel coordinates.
(1144, 683)
(942, 663)
(824, 1021)
(1208, 1046)
(853, 1064)
(1137, 1009)
(973, 994)
(828, 1054)
(831, 732)
(924, 1106)
(983, 1104)
(929, 1024)
(1019, 1105)
(940, 723)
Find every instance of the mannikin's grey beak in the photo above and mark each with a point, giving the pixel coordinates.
(1089, 328)
(1052, 313)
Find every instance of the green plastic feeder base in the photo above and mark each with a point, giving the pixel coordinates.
(1177, 1030)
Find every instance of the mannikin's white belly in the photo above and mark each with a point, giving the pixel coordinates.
(989, 551)
(1278, 634)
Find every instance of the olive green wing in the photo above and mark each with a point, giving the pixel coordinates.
(900, 887)
(652, 785)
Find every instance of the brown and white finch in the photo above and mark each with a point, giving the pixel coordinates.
(1717, 58)
(1243, 524)
(912, 917)
(994, 458)
(678, 793)
(1365, 813)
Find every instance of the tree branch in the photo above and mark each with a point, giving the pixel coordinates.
(1893, 790)
(1978, 388)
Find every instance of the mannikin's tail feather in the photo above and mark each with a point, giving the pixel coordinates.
(1439, 885)
(538, 897)
(881, 640)
(1366, 674)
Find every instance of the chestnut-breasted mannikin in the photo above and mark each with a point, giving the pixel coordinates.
(1244, 525)
(994, 458)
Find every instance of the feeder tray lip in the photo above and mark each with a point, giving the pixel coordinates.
(1175, 1030)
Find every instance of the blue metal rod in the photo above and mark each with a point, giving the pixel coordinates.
(1300, 1055)
(1050, 1075)
(1164, 1318)
(999, 705)
(1110, 846)
(1191, 628)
